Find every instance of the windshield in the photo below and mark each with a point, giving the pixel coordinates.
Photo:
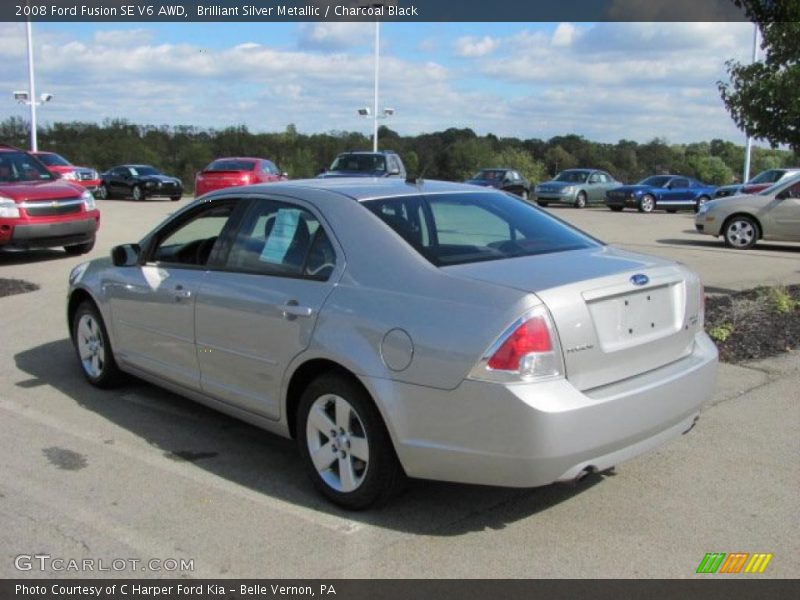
(572, 176)
(656, 181)
(229, 164)
(364, 163)
(489, 175)
(53, 160)
(767, 177)
(19, 166)
(143, 170)
(459, 228)
(774, 189)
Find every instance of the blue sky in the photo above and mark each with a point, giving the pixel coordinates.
(605, 81)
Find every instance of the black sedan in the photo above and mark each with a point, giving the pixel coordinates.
(138, 182)
(507, 180)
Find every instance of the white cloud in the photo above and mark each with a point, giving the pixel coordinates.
(564, 34)
(471, 47)
(334, 35)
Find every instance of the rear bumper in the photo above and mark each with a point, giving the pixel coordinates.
(32, 234)
(528, 435)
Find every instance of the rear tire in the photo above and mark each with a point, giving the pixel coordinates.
(137, 193)
(93, 347)
(345, 446)
(78, 249)
(175, 198)
(102, 192)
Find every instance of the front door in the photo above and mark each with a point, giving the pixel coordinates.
(153, 304)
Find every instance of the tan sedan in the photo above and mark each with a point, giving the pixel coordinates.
(773, 215)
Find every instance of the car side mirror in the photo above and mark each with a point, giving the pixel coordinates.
(285, 174)
(126, 255)
(394, 172)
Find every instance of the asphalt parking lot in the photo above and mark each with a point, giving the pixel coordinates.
(140, 473)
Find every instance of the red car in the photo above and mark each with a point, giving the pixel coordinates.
(59, 165)
(228, 172)
(39, 210)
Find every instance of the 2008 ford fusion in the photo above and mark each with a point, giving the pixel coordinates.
(395, 329)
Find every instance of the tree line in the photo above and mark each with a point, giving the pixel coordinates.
(453, 154)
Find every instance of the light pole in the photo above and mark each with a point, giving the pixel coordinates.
(377, 79)
(749, 145)
(29, 97)
(367, 112)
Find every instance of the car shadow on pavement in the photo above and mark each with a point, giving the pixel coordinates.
(715, 243)
(184, 431)
(24, 257)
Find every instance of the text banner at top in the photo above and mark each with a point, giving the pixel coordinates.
(369, 10)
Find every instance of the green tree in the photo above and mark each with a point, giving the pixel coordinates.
(522, 161)
(762, 97)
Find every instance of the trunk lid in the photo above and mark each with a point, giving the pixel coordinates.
(610, 328)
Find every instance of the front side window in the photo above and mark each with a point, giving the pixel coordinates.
(191, 242)
(277, 238)
(655, 181)
(143, 170)
(451, 229)
(679, 183)
(572, 176)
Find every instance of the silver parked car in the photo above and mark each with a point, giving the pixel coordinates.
(395, 329)
(576, 187)
(772, 215)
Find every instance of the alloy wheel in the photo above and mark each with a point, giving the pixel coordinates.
(91, 346)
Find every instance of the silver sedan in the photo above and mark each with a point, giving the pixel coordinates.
(396, 329)
(771, 215)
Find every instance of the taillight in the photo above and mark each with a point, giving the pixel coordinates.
(247, 178)
(527, 351)
(701, 313)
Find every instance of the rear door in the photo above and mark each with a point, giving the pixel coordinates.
(256, 313)
(785, 215)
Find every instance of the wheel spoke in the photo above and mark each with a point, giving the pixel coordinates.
(320, 421)
(347, 476)
(359, 448)
(323, 457)
(95, 364)
(342, 414)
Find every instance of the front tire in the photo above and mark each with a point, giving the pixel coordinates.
(346, 449)
(78, 249)
(92, 345)
(580, 200)
(137, 193)
(740, 232)
(102, 192)
(647, 204)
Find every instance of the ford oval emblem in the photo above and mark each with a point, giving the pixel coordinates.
(640, 279)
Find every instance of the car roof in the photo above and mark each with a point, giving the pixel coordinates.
(364, 188)
(367, 152)
(237, 158)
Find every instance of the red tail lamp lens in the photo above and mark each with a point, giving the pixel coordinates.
(532, 336)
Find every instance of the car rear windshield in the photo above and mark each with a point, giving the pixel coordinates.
(365, 163)
(53, 160)
(231, 165)
(459, 228)
(19, 166)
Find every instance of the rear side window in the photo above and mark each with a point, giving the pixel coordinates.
(450, 229)
(18, 166)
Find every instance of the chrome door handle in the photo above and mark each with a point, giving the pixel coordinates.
(182, 294)
(292, 310)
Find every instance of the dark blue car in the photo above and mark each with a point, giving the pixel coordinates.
(664, 192)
